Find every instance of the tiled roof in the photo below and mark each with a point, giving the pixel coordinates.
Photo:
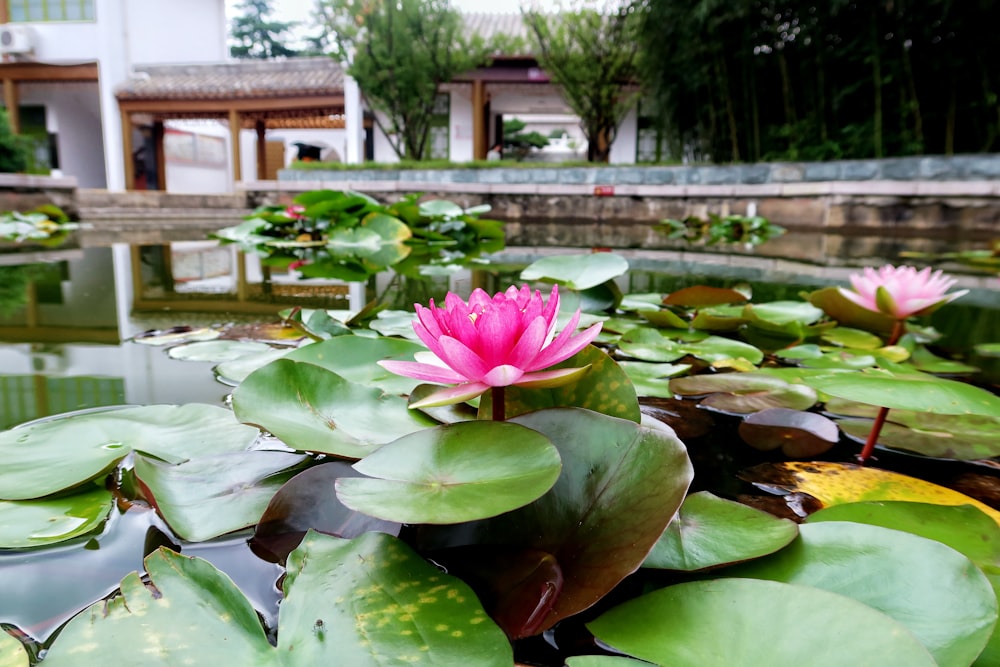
(237, 80)
(489, 26)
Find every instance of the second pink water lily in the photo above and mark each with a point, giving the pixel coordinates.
(901, 291)
(499, 341)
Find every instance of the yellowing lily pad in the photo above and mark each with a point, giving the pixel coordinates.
(836, 483)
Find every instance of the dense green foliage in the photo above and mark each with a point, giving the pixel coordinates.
(400, 53)
(592, 55)
(254, 34)
(14, 155)
(749, 80)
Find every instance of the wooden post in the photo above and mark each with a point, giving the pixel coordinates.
(127, 150)
(261, 128)
(479, 146)
(234, 139)
(161, 157)
(10, 100)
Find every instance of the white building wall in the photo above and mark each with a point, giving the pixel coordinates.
(460, 144)
(623, 149)
(383, 151)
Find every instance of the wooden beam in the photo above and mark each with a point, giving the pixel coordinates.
(127, 149)
(479, 147)
(261, 128)
(40, 72)
(10, 100)
(317, 104)
(234, 139)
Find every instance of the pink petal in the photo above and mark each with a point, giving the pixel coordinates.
(554, 378)
(530, 344)
(461, 359)
(503, 376)
(420, 371)
(451, 395)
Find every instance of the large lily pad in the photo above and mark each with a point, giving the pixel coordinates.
(837, 483)
(745, 393)
(217, 350)
(213, 495)
(25, 524)
(909, 392)
(961, 437)
(897, 573)
(313, 409)
(453, 473)
(307, 502)
(353, 358)
(698, 296)
(44, 457)
(797, 433)
(709, 531)
(577, 272)
(746, 622)
(12, 653)
(652, 379)
(621, 484)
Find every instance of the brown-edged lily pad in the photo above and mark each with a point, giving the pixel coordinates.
(799, 434)
(699, 296)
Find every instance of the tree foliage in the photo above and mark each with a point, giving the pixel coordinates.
(400, 53)
(518, 142)
(254, 35)
(747, 80)
(14, 155)
(591, 52)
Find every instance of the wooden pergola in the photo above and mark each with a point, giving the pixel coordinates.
(258, 95)
(13, 74)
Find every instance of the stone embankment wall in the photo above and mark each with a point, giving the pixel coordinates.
(953, 200)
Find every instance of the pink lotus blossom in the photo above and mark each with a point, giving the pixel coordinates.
(296, 211)
(498, 341)
(901, 291)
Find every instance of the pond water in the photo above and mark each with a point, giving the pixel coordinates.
(66, 330)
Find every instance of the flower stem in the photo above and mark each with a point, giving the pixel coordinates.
(499, 409)
(897, 332)
(869, 447)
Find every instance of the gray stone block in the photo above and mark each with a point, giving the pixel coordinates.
(720, 175)
(900, 169)
(859, 170)
(787, 172)
(821, 171)
(753, 174)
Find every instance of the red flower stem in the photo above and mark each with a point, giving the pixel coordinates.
(869, 447)
(499, 411)
(866, 451)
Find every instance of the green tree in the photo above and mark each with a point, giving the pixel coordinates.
(519, 142)
(400, 52)
(255, 35)
(14, 155)
(591, 52)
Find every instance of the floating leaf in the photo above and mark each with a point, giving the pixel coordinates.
(717, 348)
(313, 409)
(836, 483)
(217, 350)
(722, 622)
(306, 502)
(700, 296)
(848, 337)
(652, 379)
(709, 531)
(848, 313)
(719, 318)
(577, 272)
(214, 495)
(894, 572)
(453, 473)
(12, 653)
(960, 437)
(77, 448)
(799, 434)
(25, 524)
(909, 392)
(234, 372)
(181, 334)
(744, 393)
(649, 345)
(354, 358)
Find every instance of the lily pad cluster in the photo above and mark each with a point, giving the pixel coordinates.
(46, 225)
(747, 230)
(347, 235)
(437, 536)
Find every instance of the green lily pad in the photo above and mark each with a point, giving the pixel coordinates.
(909, 392)
(717, 348)
(12, 653)
(649, 345)
(928, 362)
(177, 335)
(896, 573)
(313, 409)
(719, 318)
(604, 661)
(213, 495)
(372, 599)
(605, 388)
(709, 531)
(848, 337)
(744, 393)
(25, 524)
(788, 318)
(652, 379)
(962, 527)
(78, 448)
(959, 437)
(353, 358)
(577, 272)
(453, 473)
(699, 296)
(664, 318)
(848, 313)
(234, 372)
(746, 622)
(217, 350)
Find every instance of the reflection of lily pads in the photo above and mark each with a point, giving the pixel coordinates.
(709, 531)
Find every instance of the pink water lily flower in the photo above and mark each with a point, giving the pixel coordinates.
(901, 291)
(507, 339)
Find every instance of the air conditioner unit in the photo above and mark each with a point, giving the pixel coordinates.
(16, 39)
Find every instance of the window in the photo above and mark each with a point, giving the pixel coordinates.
(22, 11)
